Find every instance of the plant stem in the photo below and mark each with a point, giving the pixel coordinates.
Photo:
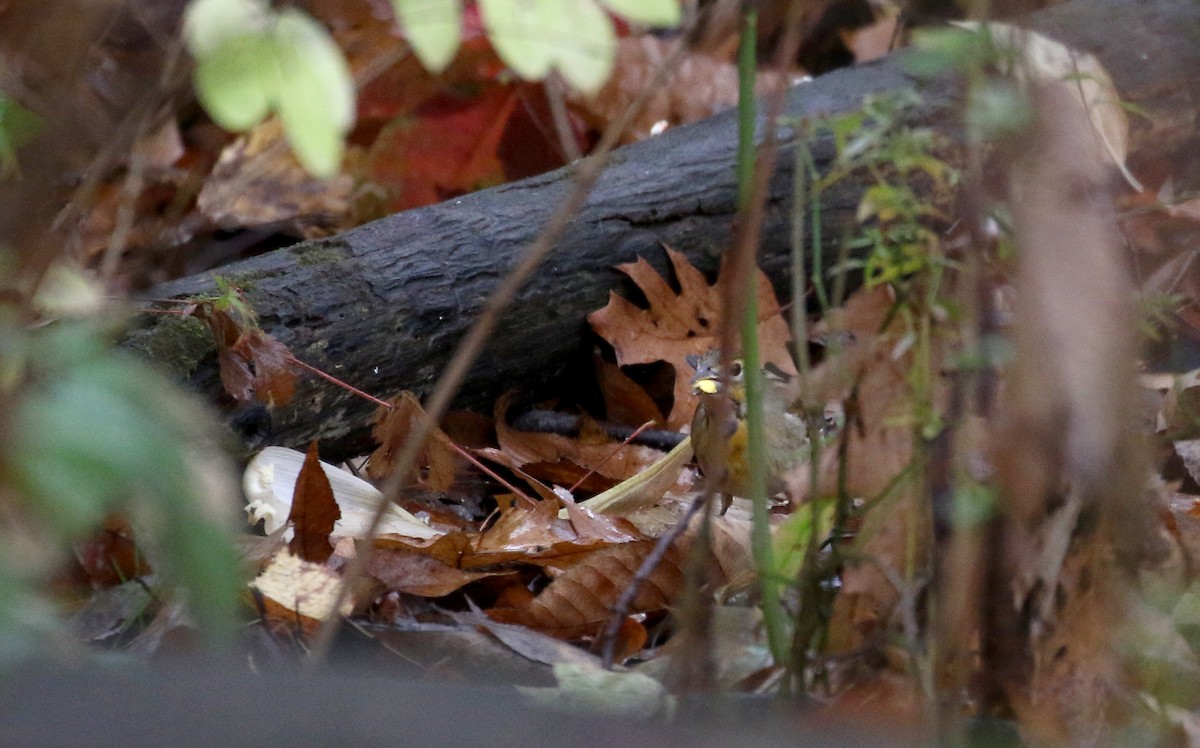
(774, 617)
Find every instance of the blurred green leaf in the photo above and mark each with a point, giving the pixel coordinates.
(208, 24)
(791, 539)
(434, 29)
(284, 63)
(236, 81)
(315, 98)
(18, 126)
(96, 431)
(659, 13)
(517, 31)
(575, 37)
(939, 51)
(997, 108)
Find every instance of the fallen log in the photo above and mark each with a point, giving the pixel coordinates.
(382, 306)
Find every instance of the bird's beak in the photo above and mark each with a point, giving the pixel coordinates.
(706, 386)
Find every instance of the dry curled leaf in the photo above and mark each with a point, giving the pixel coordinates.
(427, 568)
(436, 464)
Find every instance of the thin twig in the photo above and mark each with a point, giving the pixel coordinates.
(611, 455)
(492, 474)
(344, 385)
(588, 171)
(607, 643)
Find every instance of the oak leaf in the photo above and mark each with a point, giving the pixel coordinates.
(680, 324)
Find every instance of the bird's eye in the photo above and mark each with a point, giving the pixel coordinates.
(735, 369)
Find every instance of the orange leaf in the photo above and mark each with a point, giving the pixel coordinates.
(314, 511)
(679, 324)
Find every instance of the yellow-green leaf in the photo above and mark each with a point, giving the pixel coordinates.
(235, 81)
(660, 13)
(434, 29)
(208, 24)
(585, 42)
(517, 30)
(576, 37)
(316, 92)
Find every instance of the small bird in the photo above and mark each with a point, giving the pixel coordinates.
(787, 443)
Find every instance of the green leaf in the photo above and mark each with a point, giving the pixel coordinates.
(793, 536)
(207, 24)
(938, 51)
(285, 63)
(532, 36)
(517, 31)
(434, 29)
(315, 95)
(237, 80)
(659, 13)
(18, 126)
(586, 44)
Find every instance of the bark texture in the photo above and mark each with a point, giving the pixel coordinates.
(383, 306)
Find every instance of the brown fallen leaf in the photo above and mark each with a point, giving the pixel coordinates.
(593, 452)
(600, 527)
(449, 549)
(253, 364)
(577, 603)
(314, 512)
(531, 534)
(677, 325)
(274, 379)
(419, 574)
(257, 182)
(437, 462)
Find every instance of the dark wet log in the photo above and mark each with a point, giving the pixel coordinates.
(382, 306)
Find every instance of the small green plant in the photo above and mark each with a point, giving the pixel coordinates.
(907, 183)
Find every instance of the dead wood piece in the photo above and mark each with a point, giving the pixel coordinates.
(382, 306)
